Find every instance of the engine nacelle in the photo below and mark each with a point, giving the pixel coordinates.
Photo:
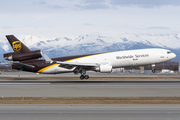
(105, 68)
(15, 56)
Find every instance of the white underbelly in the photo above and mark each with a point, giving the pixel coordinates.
(55, 69)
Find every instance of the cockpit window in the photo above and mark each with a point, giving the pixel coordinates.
(168, 52)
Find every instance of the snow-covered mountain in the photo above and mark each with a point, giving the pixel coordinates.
(96, 43)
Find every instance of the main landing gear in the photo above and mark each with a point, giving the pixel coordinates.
(83, 75)
(82, 71)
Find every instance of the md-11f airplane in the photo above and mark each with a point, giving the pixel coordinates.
(26, 60)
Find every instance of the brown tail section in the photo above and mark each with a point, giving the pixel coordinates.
(21, 51)
(17, 45)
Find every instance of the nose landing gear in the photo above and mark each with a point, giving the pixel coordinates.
(153, 68)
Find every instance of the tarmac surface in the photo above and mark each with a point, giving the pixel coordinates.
(78, 88)
(91, 74)
(90, 88)
(89, 112)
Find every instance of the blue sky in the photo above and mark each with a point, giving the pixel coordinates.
(70, 18)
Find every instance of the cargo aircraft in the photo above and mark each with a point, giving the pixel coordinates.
(26, 60)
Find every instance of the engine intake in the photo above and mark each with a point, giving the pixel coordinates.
(105, 68)
(16, 56)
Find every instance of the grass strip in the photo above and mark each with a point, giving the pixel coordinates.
(91, 100)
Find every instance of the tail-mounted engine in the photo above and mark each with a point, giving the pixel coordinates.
(16, 56)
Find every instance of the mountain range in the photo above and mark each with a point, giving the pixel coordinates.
(96, 43)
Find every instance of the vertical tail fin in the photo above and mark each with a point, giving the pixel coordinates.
(21, 51)
(17, 45)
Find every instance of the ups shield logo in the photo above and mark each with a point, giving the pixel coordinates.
(16, 45)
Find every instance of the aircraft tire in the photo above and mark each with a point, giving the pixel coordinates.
(82, 77)
(153, 71)
(86, 76)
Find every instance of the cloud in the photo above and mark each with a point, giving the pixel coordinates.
(9, 27)
(88, 24)
(93, 6)
(46, 5)
(39, 3)
(145, 3)
(55, 6)
(158, 27)
(93, 1)
(42, 3)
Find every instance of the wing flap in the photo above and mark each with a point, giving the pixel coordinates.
(78, 64)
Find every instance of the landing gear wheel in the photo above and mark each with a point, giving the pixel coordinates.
(83, 74)
(153, 70)
(82, 77)
(86, 76)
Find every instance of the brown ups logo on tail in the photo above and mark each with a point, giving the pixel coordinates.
(16, 45)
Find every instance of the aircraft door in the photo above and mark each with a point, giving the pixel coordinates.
(162, 57)
(135, 58)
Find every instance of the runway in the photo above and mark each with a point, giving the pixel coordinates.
(90, 112)
(89, 88)
(74, 88)
(91, 74)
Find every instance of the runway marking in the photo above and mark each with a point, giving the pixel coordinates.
(117, 85)
(25, 83)
(85, 85)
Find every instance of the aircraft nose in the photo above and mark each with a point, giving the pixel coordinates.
(173, 55)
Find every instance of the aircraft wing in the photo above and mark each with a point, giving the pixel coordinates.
(78, 64)
(70, 65)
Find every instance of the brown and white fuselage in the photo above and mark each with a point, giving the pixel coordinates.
(100, 62)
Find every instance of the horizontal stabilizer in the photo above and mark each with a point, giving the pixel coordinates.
(22, 65)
